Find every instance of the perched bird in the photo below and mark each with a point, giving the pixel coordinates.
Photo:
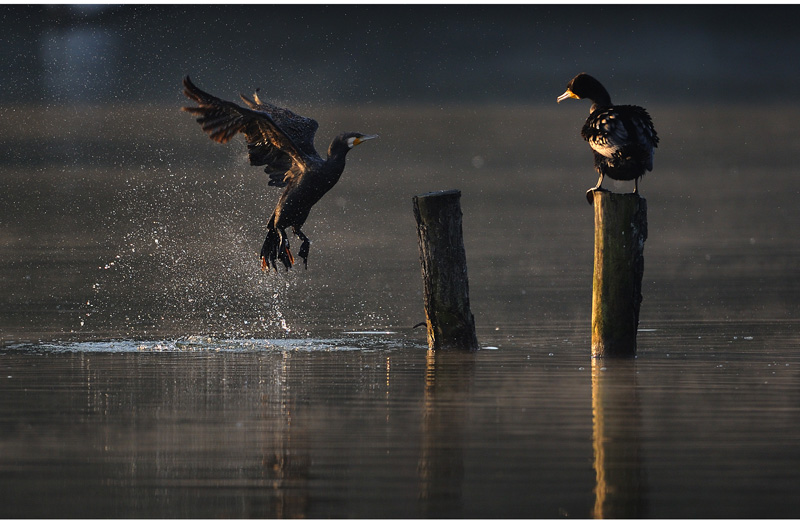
(622, 137)
(282, 142)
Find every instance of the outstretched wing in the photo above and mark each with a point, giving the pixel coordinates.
(275, 141)
(300, 129)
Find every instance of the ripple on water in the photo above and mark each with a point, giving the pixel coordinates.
(349, 341)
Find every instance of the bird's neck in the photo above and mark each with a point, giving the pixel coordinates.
(600, 100)
(335, 165)
(337, 158)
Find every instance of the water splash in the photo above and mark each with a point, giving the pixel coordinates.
(184, 265)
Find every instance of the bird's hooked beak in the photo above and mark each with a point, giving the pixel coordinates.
(363, 138)
(567, 94)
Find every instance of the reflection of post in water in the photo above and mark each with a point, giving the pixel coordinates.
(620, 490)
(448, 379)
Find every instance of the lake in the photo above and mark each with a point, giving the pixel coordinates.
(149, 369)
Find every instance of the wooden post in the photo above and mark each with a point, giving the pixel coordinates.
(620, 229)
(444, 271)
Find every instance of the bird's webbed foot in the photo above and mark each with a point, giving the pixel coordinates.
(268, 250)
(590, 191)
(304, 248)
(276, 248)
(285, 255)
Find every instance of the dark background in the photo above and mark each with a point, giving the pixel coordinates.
(149, 369)
(384, 53)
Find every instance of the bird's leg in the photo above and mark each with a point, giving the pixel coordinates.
(590, 191)
(304, 248)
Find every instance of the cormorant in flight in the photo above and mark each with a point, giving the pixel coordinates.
(622, 137)
(282, 142)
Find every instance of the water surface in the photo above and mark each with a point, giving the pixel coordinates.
(372, 427)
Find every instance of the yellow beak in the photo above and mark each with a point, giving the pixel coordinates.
(364, 139)
(567, 94)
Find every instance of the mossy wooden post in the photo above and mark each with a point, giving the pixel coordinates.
(444, 271)
(620, 229)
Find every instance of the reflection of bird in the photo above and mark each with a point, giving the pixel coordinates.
(622, 137)
(283, 142)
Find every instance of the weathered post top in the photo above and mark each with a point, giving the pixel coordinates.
(440, 193)
(444, 271)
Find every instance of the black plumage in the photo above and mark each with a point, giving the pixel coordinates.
(622, 138)
(282, 142)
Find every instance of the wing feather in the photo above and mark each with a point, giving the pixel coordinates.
(614, 131)
(300, 129)
(277, 141)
